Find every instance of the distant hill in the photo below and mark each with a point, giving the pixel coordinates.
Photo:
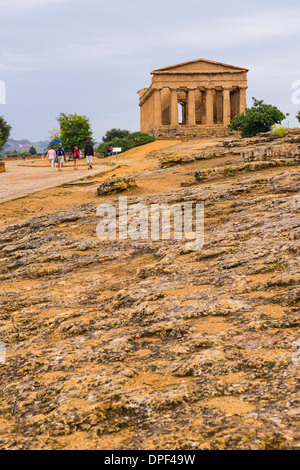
(24, 145)
(41, 144)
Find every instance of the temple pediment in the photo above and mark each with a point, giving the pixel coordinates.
(199, 66)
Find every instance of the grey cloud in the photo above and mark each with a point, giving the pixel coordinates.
(91, 56)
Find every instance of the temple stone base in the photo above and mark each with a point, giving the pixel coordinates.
(192, 132)
(2, 166)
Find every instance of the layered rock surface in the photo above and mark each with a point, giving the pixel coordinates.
(145, 344)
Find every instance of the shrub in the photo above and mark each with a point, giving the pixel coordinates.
(132, 140)
(115, 134)
(260, 118)
(279, 130)
(12, 154)
(32, 150)
(4, 132)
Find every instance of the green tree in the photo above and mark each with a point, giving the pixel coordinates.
(74, 129)
(298, 116)
(260, 118)
(4, 132)
(133, 139)
(115, 134)
(32, 150)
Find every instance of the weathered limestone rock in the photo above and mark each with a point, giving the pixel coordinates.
(255, 155)
(286, 151)
(115, 185)
(145, 344)
(232, 170)
(174, 160)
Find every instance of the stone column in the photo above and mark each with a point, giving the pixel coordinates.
(191, 107)
(243, 99)
(226, 107)
(157, 108)
(199, 107)
(174, 107)
(209, 106)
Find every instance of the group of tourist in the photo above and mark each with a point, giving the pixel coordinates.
(58, 156)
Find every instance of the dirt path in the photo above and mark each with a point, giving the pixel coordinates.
(30, 189)
(21, 180)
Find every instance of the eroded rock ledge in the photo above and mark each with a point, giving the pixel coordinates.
(143, 344)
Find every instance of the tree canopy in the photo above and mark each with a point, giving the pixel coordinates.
(32, 150)
(298, 116)
(259, 118)
(74, 129)
(131, 140)
(115, 134)
(5, 129)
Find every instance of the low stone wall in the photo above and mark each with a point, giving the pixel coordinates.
(2, 166)
(192, 132)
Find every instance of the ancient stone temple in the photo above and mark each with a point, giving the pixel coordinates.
(196, 98)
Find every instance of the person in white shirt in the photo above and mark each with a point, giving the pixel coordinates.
(51, 156)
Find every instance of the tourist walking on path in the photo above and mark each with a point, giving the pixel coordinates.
(51, 156)
(89, 153)
(76, 156)
(60, 154)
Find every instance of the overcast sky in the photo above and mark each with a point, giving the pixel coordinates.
(91, 56)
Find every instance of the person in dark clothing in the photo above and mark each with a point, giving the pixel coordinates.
(60, 155)
(89, 153)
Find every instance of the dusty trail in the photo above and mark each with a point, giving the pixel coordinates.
(44, 190)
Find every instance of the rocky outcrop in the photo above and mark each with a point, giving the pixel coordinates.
(116, 184)
(147, 344)
(268, 146)
(168, 161)
(255, 154)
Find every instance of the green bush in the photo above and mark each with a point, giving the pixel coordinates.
(4, 132)
(115, 134)
(13, 154)
(259, 118)
(32, 150)
(134, 139)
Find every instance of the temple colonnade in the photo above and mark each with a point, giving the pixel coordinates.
(203, 106)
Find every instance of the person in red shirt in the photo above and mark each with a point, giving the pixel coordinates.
(76, 156)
